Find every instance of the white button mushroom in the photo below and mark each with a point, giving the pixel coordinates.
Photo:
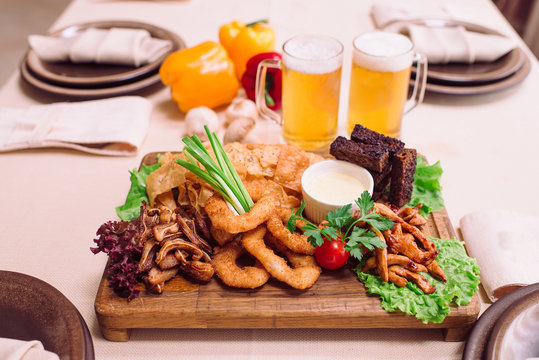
(196, 118)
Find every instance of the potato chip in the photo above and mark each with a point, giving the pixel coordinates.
(290, 167)
(165, 178)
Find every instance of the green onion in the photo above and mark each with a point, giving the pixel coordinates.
(221, 176)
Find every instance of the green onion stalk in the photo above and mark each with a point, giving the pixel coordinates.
(222, 176)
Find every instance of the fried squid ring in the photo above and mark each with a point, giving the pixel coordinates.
(417, 278)
(231, 274)
(393, 259)
(296, 242)
(223, 218)
(221, 236)
(302, 276)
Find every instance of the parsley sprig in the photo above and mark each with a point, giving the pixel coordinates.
(341, 223)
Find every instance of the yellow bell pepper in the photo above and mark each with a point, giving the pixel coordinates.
(243, 41)
(202, 75)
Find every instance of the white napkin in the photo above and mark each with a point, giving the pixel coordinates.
(506, 246)
(11, 349)
(443, 45)
(115, 126)
(383, 14)
(123, 46)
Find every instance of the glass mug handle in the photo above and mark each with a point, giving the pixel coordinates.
(260, 89)
(420, 83)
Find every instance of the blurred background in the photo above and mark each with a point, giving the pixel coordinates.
(20, 18)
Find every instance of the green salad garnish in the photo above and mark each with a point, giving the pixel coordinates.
(137, 193)
(426, 187)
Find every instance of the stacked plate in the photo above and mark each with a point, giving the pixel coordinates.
(86, 81)
(509, 329)
(470, 79)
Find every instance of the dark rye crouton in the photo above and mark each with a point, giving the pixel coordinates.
(402, 177)
(371, 157)
(363, 135)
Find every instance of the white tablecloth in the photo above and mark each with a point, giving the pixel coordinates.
(54, 200)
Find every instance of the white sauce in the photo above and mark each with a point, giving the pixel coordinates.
(335, 188)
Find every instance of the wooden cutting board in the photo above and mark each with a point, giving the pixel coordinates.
(337, 300)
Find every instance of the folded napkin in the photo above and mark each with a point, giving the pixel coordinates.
(11, 349)
(444, 45)
(383, 14)
(115, 126)
(506, 247)
(123, 46)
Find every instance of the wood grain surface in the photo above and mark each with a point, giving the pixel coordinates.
(337, 300)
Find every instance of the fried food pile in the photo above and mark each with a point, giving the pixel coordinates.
(267, 240)
(272, 177)
(409, 252)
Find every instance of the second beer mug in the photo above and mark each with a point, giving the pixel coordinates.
(381, 67)
(311, 84)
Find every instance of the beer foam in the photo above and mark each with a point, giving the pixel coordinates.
(311, 54)
(383, 51)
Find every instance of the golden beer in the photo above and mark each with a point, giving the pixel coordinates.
(311, 85)
(310, 108)
(379, 82)
(377, 99)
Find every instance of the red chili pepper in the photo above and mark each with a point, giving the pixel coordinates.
(273, 80)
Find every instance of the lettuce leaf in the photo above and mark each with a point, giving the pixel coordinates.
(426, 187)
(462, 274)
(137, 193)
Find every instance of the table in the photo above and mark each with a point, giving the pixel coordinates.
(54, 200)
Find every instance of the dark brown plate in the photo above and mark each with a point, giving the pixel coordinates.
(89, 93)
(480, 88)
(67, 74)
(461, 73)
(476, 346)
(31, 309)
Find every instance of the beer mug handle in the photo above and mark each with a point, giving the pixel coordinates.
(260, 89)
(420, 83)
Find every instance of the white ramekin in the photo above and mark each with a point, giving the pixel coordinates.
(315, 209)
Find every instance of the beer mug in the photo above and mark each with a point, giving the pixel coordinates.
(311, 84)
(379, 82)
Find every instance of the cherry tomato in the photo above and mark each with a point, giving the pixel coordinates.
(331, 254)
